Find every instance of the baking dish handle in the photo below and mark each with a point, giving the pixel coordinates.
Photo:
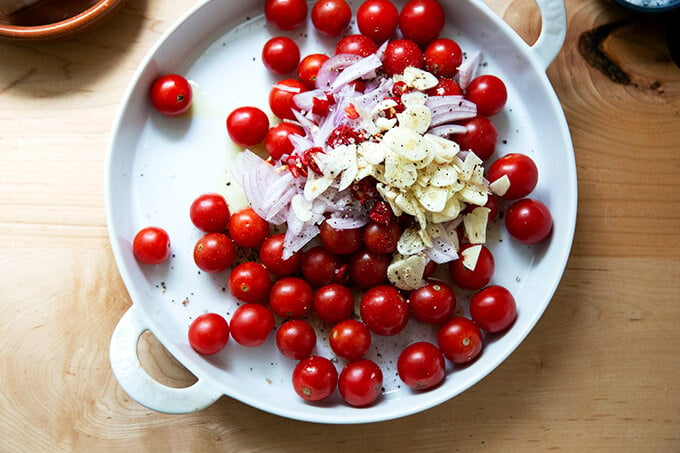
(143, 388)
(553, 31)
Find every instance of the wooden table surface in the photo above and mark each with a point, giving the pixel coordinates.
(600, 371)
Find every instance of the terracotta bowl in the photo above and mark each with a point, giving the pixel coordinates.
(56, 19)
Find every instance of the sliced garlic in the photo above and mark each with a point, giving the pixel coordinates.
(470, 256)
(500, 186)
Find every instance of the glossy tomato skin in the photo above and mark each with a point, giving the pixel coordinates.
(214, 252)
(356, 45)
(281, 97)
(251, 324)
(493, 309)
(400, 54)
(421, 21)
(350, 339)
(308, 69)
(277, 141)
(331, 17)
(271, 256)
(333, 303)
(247, 126)
(377, 19)
(208, 333)
(151, 245)
(286, 14)
(249, 282)
(367, 268)
(340, 242)
(209, 213)
(291, 297)
(381, 238)
(528, 221)
(421, 366)
(360, 382)
(171, 94)
(384, 310)
(433, 303)
(481, 137)
(460, 340)
(443, 56)
(489, 93)
(476, 278)
(520, 170)
(281, 55)
(248, 229)
(445, 87)
(315, 378)
(320, 267)
(296, 339)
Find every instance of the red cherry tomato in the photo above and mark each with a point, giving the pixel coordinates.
(271, 256)
(247, 126)
(249, 282)
(433, 303)
(481, 137)
(209, 213)
(476, 278)
(291, 297)
(366, 268)
(360, 383)
(460, 340)
(309, 67)
(382, 238)
(171, 94)
(333, 303)
(214, 252)
(281, 97)
(248, 229)
(331, 17)
(356, 45)
(421, 365)
(384, 310)
(400, 54)
(488, 92)
(340, 242)
(443, 57)
(421, 21)
(350, 339)
(286, 14)
(320, 267)
(296, 339)
(493, 309)
(278, 141)
(281, 55)
(208, 334)
(521, 172)
(377, 19)
(251, 324)
(445, 87)
(528, 221)
(315, 378)
(151, 245)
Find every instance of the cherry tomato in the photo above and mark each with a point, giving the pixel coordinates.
(421, 21)
(209, 333)
(315, 378)
(271, 256)
(340, 242)
(528, 221)
(251, 324)
(430, 269)
(333, 303)
(291, 297)
(309, 67)
(278, 141)
(421, 365)
(360, 382)
(286, 14)
(378, 19)
(171, 94)
(331, 17)
(520, 170)
(488, 92)
(400, 54)
(476, 278)
(151, 245)
(433, 303)
(366, 268)
(248, 229)
(356, 45)
(296, 339)
(493, 309)
(382, 238)
(384, 310)
(247, 126)
(250, 282)
(481, 137)
(281, 97)
(350, 339)
(281, 55)
(445, 87)
(214, 252)
(443, 57)
(460, 340)
(320, 267)
(210, 213)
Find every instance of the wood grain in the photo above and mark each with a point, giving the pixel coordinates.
(598, 373)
